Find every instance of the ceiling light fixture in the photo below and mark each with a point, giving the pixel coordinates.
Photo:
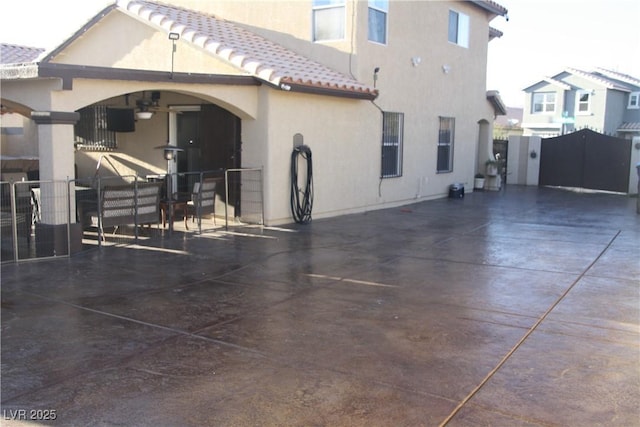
(144, 115)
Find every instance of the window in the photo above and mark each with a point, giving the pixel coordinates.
(328, 19)
(634, 100)
(459, 28)
(91, 130)
(583, 102)
(446, 136)
(378, 20)
(392, 136)
(543, 102)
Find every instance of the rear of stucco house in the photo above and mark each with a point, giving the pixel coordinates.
(392, 100)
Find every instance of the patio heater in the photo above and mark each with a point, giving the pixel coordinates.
(170, 155)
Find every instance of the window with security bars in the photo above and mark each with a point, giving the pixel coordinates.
(446, 136)
(392, 136)
(91, 130)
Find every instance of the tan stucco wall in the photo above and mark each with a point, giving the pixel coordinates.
(344, 134)
(344, 140)
(121, 42)
(425, 91)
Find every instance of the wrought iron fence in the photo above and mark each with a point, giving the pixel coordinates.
(244, 196)
(42, 219)
(35, 220)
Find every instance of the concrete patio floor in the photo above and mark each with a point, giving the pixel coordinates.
(511, 308)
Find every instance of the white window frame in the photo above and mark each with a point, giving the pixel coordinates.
(579, 95)
(446, 141)
(544, 102)
(634, 101)
(462, 29)
(381, 6)
(319, 6)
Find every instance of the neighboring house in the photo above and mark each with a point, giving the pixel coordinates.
(508, 124)
(390, 96)
(602, 100)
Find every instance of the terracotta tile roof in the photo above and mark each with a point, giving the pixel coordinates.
(248, 51)
(15, 54)
(491, 6)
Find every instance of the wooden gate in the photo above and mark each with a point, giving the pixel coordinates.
(586, 159)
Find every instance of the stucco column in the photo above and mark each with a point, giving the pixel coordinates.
(55, 148)
(485, 145)
(533, 163)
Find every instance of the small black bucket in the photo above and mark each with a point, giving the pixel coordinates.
(456, 191)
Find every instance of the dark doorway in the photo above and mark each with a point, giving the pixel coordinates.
(220, 134)
(210, 138)
(189, 140)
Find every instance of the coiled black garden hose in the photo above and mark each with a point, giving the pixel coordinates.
(301, 199)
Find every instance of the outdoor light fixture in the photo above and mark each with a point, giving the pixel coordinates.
(173, 37)
(170, 151)
(144, 115)
(375, 75)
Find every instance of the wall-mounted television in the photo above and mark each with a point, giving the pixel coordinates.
(121, 119)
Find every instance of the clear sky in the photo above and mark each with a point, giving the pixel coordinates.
(541, 38)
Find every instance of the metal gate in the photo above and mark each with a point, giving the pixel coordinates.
(501, 152)
(586, 159)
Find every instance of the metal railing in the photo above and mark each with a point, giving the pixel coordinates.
(41, 219)
(35, 220)
(244, 196)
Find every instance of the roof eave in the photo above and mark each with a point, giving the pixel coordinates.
(67, 73)
(28, 70)
(496, 101)
(491, 7)
(494, 33)
(328, 91)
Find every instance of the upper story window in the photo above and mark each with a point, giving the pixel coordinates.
(378, 10)
(583, 102)
(543, 102)
(328, 20)
(459, 28)
(634, 100)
